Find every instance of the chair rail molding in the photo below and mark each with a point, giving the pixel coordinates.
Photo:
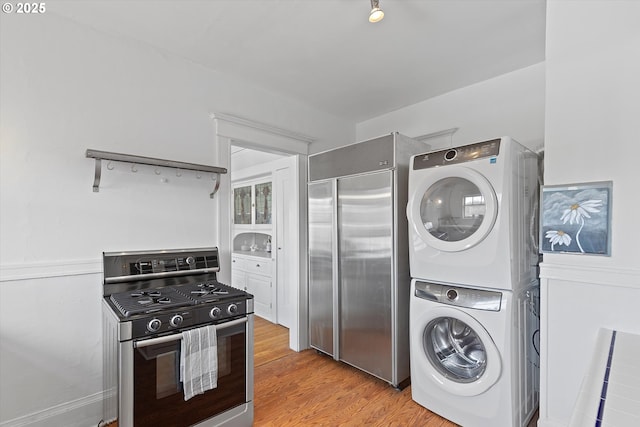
(597, 275)
(43, 270)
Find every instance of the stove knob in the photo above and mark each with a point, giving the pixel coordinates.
(176, 321)
(154, 325)
(232, 309)
(215, 312)
(191, 260)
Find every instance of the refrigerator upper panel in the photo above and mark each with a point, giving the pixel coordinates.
(368, 156)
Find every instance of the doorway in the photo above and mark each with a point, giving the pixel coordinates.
(274, 294)
(231, 130)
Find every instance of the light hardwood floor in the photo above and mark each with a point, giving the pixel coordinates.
(311, 389)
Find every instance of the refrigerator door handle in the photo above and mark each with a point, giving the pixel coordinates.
(336, 271)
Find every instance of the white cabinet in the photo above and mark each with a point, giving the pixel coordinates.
(251, 267)
(254, 274)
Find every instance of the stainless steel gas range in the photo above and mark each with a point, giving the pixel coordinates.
(154, 300)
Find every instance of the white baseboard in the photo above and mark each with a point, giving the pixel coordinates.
(546, 422)
(83, 412)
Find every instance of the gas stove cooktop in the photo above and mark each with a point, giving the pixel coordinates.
(152, 300)
(161, 292)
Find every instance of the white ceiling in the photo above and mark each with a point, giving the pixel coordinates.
(326, 53)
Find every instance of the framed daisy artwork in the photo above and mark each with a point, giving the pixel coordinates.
(576, 218)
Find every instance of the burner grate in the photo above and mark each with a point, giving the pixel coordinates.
(146, 301)
(208, 291)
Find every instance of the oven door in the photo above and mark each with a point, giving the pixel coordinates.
(151, 393)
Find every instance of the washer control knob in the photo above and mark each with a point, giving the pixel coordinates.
(215, 312)
(176, 320)
(232, 309)
(450, 155)
(452, 295)
(154, 325)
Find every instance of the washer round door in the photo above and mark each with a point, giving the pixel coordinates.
(458, 352)
(453, 208)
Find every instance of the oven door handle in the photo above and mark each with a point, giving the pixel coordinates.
(177, 337)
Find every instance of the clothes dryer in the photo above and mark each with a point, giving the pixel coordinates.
(472, 358)
(472, 214)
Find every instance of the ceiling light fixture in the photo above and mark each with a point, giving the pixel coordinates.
(376, 13)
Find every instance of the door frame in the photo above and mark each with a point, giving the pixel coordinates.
(230, 129)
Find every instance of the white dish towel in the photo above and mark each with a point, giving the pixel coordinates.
(199, 361)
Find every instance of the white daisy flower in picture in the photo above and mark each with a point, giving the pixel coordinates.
(578, 211)
(558, 237)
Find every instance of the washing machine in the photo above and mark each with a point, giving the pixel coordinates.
(472, 214)
(473, 355)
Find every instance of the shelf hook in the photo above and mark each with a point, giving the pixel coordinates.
(157, 171)
(133, 168)
(110, 166)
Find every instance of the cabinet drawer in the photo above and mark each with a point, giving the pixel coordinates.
(252, 265)
(237, 263)
(258, 266)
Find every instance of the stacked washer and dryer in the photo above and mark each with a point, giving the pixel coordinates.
(473, 258)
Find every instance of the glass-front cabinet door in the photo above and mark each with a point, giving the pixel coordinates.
(252, 203)
(263, 203)
(242, 205)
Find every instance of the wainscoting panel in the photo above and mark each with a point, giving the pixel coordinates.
(576, 302)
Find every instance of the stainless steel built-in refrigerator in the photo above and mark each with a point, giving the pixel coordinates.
(359, 277)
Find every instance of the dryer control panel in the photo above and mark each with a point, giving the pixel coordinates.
(466, 153)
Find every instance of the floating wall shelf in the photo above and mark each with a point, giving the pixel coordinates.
(128, 158)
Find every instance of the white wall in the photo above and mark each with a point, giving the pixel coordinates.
(65, 88)
(592, 134)
(592, 109)
(511, 104)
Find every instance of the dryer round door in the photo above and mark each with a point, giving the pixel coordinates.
(453, 208)
(457, 352)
